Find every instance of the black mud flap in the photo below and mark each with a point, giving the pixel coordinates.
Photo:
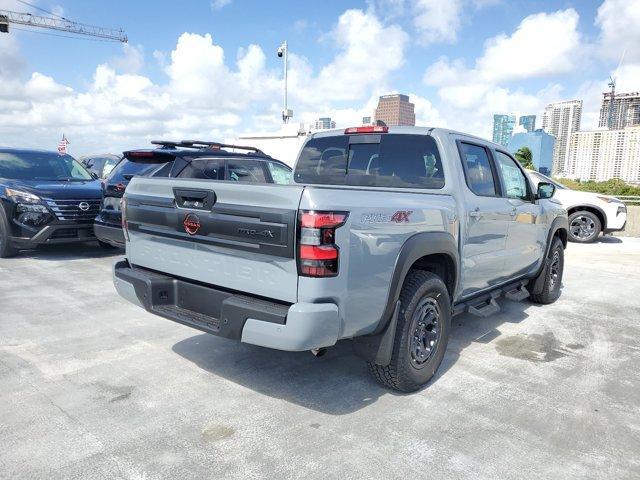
(378, 348)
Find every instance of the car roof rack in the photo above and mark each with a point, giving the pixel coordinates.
(198, 144)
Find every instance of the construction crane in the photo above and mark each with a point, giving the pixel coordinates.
(61, 24)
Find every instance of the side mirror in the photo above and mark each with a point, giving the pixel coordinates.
(545, 190)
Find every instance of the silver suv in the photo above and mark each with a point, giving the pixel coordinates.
(383, 235)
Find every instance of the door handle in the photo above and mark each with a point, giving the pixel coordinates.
(475, 213)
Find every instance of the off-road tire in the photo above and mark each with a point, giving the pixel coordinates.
(6, 250)
(592, 219)
(550, 285)
(404, 373)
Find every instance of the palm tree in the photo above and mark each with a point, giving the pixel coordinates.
(525, 157)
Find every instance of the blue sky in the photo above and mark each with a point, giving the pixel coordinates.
(209, 67)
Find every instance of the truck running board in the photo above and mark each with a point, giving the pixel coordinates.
(486, 304)
(484, 308)
(517, 294)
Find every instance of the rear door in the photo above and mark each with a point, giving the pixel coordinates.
(488, 215)
(239, 237)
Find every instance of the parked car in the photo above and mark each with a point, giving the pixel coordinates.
(100, 165)
(197, 160)
(385, 233)
(589, 213)
(45, 197)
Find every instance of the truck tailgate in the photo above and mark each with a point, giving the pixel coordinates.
(237, 236)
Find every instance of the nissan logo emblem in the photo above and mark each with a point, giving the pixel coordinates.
(191, 223)
(84, 206)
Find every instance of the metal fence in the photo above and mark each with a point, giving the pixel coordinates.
(630, 199)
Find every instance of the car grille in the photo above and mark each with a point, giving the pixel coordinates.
(70, 209)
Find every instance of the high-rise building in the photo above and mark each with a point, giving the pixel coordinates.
(600, 155)
(561, 119)
(541, 145)
(324, 123)
(395, 110)
(503, 128)
(528, 122)
(623, 112)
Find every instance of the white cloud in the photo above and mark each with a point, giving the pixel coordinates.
(543, 44)
(218, 4)
(437, 20)
(131, 60)
(206, 93)
(619, 22)
(368, 53)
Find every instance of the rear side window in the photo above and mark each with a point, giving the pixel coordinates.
(247, 171)
(477, 169)
(204, 169)
(125, 167)
(386, 160)
(279, 173)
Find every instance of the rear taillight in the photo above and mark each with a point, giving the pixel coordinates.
(318, 255)
(123, 216)
(367, 129)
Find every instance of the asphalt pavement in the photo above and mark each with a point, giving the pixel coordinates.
(92, 387)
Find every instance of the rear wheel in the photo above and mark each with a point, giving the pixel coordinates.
(584, 227)
(6, 250)
(421, 335)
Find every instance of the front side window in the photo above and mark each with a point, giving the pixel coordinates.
(280, 174)
(477, 169)
(41, 166)
(514, 181)
(386, 160)
(247, 171)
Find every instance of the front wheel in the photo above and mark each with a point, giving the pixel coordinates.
(584, 227)
(422, 333)
(6, 250)
(545, 288)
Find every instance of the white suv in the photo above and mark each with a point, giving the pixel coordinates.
(589, 213)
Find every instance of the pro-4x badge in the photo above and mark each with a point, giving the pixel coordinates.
(191, 223)
(401, 216)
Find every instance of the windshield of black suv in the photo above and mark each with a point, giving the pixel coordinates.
(125, 170)
(380, 160)
(45, 166)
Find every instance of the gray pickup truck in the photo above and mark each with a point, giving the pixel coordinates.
(384, 234)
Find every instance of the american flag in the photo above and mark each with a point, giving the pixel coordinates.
(62, 145)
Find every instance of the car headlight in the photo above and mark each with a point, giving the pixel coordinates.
(608, 199)
(20, 196)
(26, 202)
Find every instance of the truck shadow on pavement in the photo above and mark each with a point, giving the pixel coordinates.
(68, 252)
(339, 382)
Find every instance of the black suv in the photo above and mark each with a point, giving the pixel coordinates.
(45, 197)
(107, 226)
(186, 159)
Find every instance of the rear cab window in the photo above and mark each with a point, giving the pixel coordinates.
(374, 160)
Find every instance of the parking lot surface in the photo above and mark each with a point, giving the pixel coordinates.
(93, 387)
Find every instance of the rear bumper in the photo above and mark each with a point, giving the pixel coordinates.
(297, 327)
(110, 234)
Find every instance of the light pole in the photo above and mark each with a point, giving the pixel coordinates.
(283, 51)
